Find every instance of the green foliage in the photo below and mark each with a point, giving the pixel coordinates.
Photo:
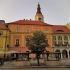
(37, 42)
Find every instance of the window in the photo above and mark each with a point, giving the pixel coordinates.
(37, 30)
(59, 38)
(65, 38)
(60, 43)
(46, 31)
(59, 31)
(54, 42)
(18, 30)
(54, 37)
(65, 43)
(27, 30)
(0, 33)
(39, 18)
(17, 42)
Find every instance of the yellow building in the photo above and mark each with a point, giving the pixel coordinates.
(61, 40)
(4, 34)
(68, 25)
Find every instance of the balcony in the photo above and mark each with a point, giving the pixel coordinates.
(16, 45)
(59, 45)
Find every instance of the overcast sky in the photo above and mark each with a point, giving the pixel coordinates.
(54, 11)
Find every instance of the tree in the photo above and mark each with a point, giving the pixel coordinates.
(37, 43)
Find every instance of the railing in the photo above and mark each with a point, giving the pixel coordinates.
(17, 45)
(58, 45)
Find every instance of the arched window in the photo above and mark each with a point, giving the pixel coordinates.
(18, 30)
(46, 31)
(64, 54)
(37, 30)
(28, 30)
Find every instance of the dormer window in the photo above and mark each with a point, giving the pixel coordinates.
(0, 33)
(18, 30)
(27, 30)
(59, 30)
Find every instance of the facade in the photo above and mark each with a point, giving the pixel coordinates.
(20, 29)
(14, 35)
(61, 40)
(4, 34)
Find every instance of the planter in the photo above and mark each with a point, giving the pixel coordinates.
(52, 63)
(21, 63)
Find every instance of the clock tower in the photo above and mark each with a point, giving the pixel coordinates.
(39, 16)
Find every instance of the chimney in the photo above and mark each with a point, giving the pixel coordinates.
(2, 21)
(30, 19)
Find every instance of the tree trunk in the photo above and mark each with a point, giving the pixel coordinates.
(38, 58)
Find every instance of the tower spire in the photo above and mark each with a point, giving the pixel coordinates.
(39, 16)
(38, 9)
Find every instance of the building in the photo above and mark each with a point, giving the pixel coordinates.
(13, 35)
(4, 34)
(68, 25)
(61, 40)
(20, 29)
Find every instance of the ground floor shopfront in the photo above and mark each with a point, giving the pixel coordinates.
(65, 51)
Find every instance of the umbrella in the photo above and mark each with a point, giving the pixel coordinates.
(12, 51)
(1, 52)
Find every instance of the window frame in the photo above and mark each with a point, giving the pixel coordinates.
(1, 33)
(27, 30)
(17, 42)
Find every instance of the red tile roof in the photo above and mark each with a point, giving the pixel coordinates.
(60, 29)
(29, 22)
(3, 26)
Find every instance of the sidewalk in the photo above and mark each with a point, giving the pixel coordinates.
(9, 65)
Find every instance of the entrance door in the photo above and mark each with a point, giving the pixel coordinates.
(64, 54)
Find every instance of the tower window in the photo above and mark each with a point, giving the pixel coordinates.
(39, 18)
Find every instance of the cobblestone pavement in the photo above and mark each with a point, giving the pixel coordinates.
(9, 66)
